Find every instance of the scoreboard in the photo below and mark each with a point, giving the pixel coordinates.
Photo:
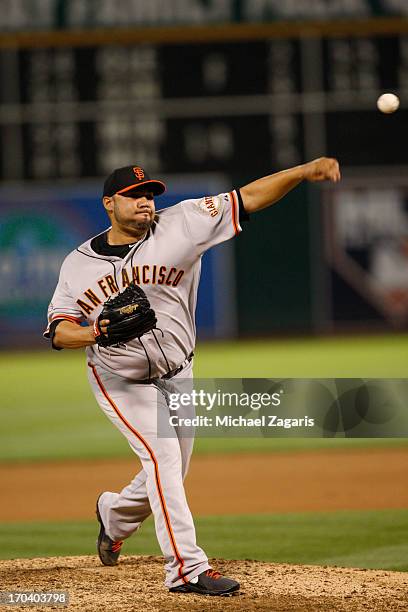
(244, 107)
(240, 106)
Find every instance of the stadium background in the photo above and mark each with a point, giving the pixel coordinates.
(209, 95)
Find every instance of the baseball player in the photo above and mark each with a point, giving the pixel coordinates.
(160, 253)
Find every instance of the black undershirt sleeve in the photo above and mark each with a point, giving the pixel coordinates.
(52, 329)
(243, 215)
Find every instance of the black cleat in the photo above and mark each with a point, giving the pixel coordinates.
(108, 550)
(209, 582)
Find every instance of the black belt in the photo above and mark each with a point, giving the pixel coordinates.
(149, 381)
(180, 368)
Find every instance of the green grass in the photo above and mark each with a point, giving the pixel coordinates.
(375, 539)
(48, 411)
(346, 357)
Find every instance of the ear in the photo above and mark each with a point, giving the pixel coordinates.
(108, 204)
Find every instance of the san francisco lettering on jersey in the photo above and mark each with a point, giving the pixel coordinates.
(141, 275)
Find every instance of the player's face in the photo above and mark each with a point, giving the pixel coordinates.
(135, 212)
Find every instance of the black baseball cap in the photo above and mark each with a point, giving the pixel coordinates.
(128, 181)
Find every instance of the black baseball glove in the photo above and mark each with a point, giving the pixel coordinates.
(130, 316)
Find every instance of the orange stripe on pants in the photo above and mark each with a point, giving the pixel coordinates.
(156, 471)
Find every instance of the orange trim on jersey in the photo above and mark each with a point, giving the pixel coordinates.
(234, 213)
(156, 471)
(67, 317)
(142, 183)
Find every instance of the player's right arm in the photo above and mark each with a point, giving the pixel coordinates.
(68, 335)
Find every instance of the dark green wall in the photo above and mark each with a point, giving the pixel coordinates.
(273, 268)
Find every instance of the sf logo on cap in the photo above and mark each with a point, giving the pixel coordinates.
(139, 172)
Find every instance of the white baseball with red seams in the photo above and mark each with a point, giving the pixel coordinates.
(166, 264)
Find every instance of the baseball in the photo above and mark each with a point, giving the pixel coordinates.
(388, 103)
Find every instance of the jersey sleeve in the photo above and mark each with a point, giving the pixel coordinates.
(63, 305)
(212, 219)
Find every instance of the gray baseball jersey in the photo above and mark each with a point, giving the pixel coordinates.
(167, 264)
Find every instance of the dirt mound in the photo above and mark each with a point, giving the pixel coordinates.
(137, 584)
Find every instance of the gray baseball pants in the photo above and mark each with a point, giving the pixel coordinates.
(158, 488)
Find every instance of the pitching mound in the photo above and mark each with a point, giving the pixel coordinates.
(137, 584)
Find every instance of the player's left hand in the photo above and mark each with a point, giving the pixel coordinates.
(322, 169)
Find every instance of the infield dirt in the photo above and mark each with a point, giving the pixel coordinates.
(371, 479)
